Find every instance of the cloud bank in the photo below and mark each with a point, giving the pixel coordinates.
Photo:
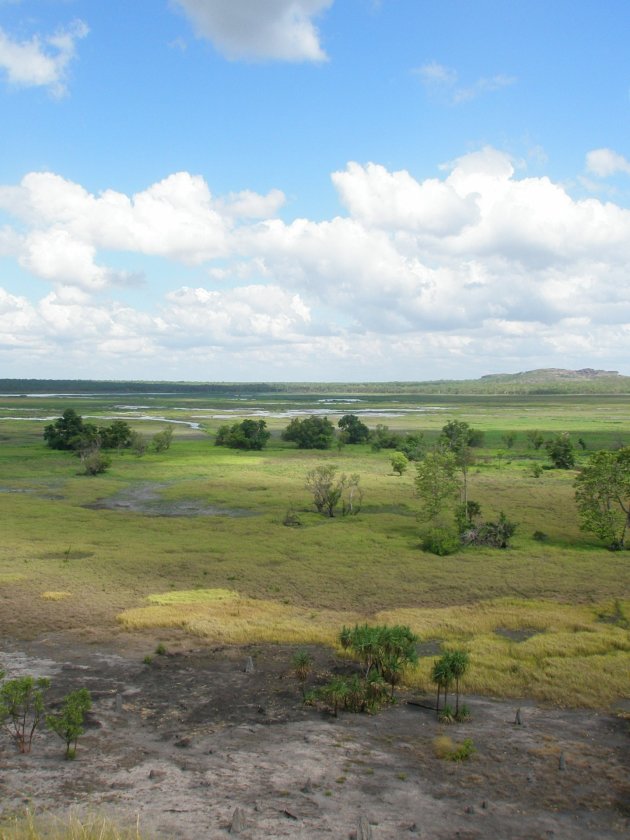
(457, 275)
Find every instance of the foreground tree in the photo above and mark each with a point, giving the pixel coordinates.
(22, 708)
(437, 484)
(310, 432)
(602, 494)
(248, 434)
(68, 722)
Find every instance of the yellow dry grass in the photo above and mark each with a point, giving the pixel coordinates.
(55, 596)
(573, 658)
(28, 827)
(226, 616)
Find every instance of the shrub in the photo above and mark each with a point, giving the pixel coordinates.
(444, 747)
(95, 462)
(441, 541)
(22, 708)
(68, 723)
(540, 536)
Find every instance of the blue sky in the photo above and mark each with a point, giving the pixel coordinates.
(313, 189)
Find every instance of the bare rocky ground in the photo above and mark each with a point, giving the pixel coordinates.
(184, 742)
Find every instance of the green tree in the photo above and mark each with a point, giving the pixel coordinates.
(248, 434)
(383, 438)
(459, 661)
(162, 440)
(312, 432)
(442, 676)
(22, 708)
(456, 438)
(412, 445)
(561, 451)
(437, 484)
(380, 648)
(326, 488)
(353, 430)
(535, 439)
(602, 494)
(118, 435)
(399, 462)
(68, 722)
(69, 432)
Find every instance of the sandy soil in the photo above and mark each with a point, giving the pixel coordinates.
(187, 740)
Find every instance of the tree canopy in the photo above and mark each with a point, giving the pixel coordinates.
(71, 432)
(353, 430)
(602, 494)
(248, 434)
(312, 432)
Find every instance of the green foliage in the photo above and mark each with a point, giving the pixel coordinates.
(70, 432)
(138, 444)
(535, 439)
(353, 430)
(466, 515)
(302, 663)
(450, 667)
(412, 445)
(95, 462)
(437, 483)
(509, 439)
(354, 694)
(561, 451)
(462, 751)
(457, 435)
(602, 495)
(441, 541)
(328, 490)
(492, 534)
(118, 435)
(399, 462)
(248, 434)
(160, 649)
(22, 708)
(381, 650)
(382, 437)
(162, 440)
(68, 722)
(67, 432)
(312, 432)
(536, 470)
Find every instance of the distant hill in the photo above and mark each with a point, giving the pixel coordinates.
(547, 375)
(534, 382)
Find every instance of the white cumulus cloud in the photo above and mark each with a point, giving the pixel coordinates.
(477, 263)
(274, 29)
(605, 162)
(41, 61)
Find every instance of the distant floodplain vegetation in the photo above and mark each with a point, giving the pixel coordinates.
(546, 616)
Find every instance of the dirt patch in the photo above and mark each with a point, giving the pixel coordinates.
(148, 500)
(184, 741)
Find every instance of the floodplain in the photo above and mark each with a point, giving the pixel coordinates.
(193, 540)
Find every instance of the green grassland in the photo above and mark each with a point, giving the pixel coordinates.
(543, 619)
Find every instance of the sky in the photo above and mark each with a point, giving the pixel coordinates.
(313, 190)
